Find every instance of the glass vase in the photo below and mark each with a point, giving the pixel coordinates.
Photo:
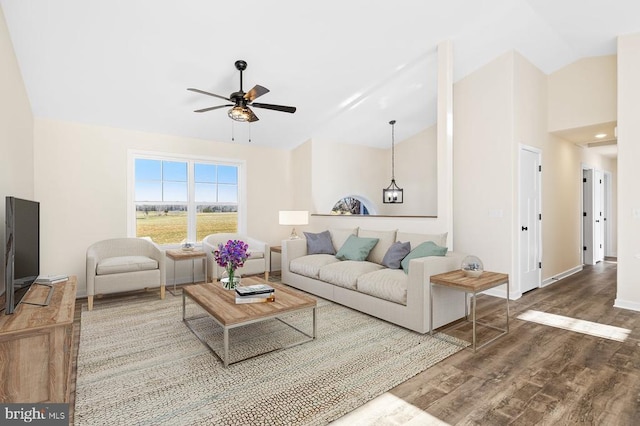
(230, 279)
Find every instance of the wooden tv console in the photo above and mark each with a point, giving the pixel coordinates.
(36, 346)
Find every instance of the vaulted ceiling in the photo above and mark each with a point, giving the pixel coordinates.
(348, 66)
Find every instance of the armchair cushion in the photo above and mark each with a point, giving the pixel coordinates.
(121, 264)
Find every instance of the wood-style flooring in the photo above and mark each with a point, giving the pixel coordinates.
(537, 374)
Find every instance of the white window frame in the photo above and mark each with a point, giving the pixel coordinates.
(132, 155)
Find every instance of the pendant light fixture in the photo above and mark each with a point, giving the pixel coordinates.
(392, 194)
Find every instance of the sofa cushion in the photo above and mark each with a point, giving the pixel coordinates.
(345, 274)
(319, 243)
(339, 236)
(310, 265)
(387, 284)
(428, 248)
(385, 239)
(121, 264)
(417, 239)
(356, 248)
(395, 254)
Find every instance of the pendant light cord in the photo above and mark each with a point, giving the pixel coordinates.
(393, 151)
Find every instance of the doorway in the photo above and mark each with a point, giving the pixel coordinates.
(594, 215)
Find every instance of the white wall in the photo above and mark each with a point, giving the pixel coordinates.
(81, 182)
(16, 134)
(628, 295)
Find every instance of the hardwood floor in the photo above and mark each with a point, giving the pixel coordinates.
(537, 374)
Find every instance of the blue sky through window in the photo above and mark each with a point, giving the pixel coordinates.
(167, 181)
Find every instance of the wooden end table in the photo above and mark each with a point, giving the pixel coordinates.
(458, 281)
(178, 255)
(272, 249)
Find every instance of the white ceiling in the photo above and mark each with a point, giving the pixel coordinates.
(348, 66)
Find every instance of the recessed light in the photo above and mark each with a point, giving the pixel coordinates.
(601, 135)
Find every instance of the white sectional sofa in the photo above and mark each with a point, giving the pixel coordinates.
(367, 286)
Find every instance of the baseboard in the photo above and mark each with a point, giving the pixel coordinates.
(501, 292)
(626, 304)
(561, 275)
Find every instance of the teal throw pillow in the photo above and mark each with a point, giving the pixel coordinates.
(428, 248)
(356, 248)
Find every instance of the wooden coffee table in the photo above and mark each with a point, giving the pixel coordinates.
(220, 305)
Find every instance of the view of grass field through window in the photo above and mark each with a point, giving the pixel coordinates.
(163, 199)
(171, 227)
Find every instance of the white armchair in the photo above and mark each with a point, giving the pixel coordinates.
(124, 264)
(258, 263)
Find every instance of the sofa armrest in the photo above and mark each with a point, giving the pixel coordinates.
(291, 249)
(419, 288)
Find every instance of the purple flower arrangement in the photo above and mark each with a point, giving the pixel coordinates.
(231, 256)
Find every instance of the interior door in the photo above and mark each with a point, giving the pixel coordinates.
(530, 219)
(587, 217)
(598, 216)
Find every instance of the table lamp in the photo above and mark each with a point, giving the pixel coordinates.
(293, 218)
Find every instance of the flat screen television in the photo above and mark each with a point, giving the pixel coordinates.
(22, 255)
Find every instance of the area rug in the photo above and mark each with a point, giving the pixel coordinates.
(139, 364)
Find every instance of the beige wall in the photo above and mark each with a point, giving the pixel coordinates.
(16, 134)
(628, 295)
(483, 164)
(583, 93)
(497, 109)
(340, 170)
(81, 182)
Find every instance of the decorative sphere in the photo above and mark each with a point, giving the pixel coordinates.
(472, 266)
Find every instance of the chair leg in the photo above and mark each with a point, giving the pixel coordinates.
(90, 302)
(266, 275)
(162, 291)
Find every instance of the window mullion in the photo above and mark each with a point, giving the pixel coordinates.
(191, 204)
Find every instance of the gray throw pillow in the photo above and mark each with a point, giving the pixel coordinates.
(395, 254)
(319, 243)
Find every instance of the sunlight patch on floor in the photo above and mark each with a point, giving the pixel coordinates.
(388, 409)
(573, 324)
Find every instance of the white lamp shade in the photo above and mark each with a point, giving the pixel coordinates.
(293, 217)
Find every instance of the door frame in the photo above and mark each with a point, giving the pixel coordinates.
(606, 207)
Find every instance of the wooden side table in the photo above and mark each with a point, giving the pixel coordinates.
(177, 255)
(457, 280)
(272, 249)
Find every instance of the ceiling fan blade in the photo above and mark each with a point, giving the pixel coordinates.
(212, 108)
(252, 117)
(207, 93)
(282, 108)
(255, 92)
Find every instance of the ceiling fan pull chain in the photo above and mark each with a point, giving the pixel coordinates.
(249, 132)
(233, 127)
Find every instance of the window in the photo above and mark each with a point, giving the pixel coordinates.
(184, 199)
(350, 205)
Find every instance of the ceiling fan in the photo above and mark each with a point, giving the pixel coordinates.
(240, 110)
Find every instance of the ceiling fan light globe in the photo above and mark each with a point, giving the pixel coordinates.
(239, 114)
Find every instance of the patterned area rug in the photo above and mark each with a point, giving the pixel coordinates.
(139, 364)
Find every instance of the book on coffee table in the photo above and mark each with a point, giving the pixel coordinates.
(251, 290)
(256, 298)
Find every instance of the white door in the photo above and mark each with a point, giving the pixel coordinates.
(530, 219)
(598, 216)
(587, 217)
